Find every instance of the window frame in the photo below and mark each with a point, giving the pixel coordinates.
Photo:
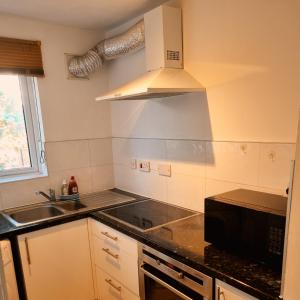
(34, 132)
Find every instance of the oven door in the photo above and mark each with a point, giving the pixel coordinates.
(162, 277)
(157, 285)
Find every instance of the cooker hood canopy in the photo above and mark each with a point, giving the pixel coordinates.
(165, 76)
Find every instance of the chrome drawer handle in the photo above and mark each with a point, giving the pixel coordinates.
(109, 281)
(105, 233)
(106, 250)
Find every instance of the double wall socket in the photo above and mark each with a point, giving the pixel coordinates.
(144, 166)
(141, 165)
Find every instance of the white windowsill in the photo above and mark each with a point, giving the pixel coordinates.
(26, 176)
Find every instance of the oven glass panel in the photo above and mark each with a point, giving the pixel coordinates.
(156, 291)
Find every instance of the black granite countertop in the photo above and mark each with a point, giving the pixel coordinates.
(93, 202)
(183, 240)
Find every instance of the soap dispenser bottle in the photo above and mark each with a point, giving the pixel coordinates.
(64, 188)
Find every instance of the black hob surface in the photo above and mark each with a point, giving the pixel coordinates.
(147, 214)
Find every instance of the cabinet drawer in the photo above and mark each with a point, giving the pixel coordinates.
(114, 238)
(111, 289)
(117, 263)
(225, 291)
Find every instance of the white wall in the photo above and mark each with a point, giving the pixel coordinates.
(77, 129)
(242, 130)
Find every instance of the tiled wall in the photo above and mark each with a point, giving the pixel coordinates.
(201, 168)
(90, 161)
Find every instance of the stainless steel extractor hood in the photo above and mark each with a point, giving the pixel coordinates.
(165, 76)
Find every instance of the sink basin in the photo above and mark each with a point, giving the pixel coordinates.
(70, 205)
(30, 215)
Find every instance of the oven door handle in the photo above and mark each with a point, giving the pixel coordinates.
(169, 287)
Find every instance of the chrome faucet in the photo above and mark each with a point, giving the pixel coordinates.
(50, 197)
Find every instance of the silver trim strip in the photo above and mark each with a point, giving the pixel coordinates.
(287, 223)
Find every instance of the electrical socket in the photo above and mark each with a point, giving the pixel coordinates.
(144, 166)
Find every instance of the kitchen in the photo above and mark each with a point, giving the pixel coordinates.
(238, 132)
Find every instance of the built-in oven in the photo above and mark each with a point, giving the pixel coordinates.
(162, 277)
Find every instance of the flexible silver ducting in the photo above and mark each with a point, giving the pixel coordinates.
(130, 41)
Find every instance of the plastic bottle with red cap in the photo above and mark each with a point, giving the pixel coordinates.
(73, 187)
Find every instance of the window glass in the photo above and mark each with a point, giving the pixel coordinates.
(21, 139)
(14, 149)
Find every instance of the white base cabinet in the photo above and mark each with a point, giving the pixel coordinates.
(115, 263)
(225, 291)
(87, 260)
(56, 262)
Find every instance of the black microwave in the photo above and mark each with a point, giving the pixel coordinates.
(248, 223)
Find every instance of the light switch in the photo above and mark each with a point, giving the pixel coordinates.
(133, 164)
(164, 170)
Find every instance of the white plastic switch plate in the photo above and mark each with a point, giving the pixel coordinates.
(133, 164)
(164, 170)
(144, 166)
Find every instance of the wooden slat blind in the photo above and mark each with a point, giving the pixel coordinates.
(21, 57)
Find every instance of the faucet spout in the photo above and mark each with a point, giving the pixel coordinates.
(50, 197)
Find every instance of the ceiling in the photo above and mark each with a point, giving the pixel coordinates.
(90, 14)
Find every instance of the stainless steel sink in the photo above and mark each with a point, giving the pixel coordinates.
(71, 205)
(35, 213)
(29, 215)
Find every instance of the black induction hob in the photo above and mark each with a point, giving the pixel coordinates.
(147, 214)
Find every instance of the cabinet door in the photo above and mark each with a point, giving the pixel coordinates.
(56, 263)
(227, 292)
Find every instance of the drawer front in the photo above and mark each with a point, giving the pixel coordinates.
(114, 238)
(111, 289)
(118, 263)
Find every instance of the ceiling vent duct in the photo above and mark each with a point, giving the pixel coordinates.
(128, 42)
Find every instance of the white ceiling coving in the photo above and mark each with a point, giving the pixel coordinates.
(90, 14)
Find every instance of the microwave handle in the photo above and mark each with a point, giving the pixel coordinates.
(169, 287)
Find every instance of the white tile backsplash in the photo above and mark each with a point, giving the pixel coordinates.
(100, 152)
(186, 191)
(83, 177)
(67, 155)
(201, 168)
(143, 183)
(23, 192)
(274, 165)
(148, 148)
(186, 151)
(235, 162)
(90, 161)
(121, 151)
(102, 177)
(198, 169)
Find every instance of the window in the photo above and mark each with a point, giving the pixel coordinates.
(21, 134)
